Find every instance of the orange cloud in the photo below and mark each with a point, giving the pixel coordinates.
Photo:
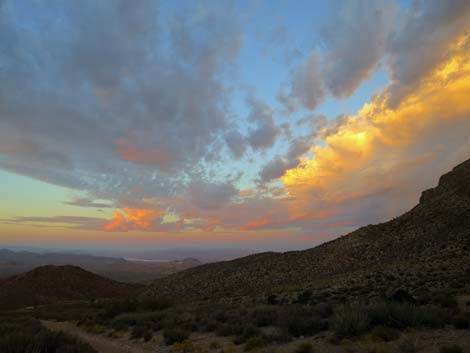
(133, 219)
(132, 153)
(383, 148)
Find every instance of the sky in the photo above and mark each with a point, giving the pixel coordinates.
(265, 125)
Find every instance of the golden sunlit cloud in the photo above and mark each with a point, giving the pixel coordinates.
(129, 219)
(363, 155)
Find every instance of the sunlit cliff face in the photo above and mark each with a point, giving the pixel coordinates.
(162, 142)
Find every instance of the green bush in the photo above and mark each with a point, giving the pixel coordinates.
(403, 315)
(350, 320)
(254, 343)
(304, 347)
(247, 333)
(264, 316)
(301, 320)
(44, 342)
(140, 332)
(175, 335)
(154, 304)
(451, 349)
(115, 307)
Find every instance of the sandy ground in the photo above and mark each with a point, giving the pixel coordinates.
(101, 343)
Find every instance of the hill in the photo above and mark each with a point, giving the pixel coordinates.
(425, 249)
(119, 269)
(48, 284)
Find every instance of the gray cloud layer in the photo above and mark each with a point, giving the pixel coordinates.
(101, 96)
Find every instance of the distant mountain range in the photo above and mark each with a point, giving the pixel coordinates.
(14, 262)
(48, 284)
(425, 249)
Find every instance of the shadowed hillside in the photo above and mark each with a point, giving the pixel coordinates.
(427, 245)
(48, 284)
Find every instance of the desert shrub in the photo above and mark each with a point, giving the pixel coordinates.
(272, 300)
(215, 345)
(304, 297)
(247, 333)
(430, 316)
(402, 296)
(301, 321)
(152, 319)
(264, 316)
(462, 322)
(209, 326)
(186, 346)
(175, 335)
(386, 334)
(378, 348)
(24, 335)
(225, 330)
(147, 336)
(277, 336)
(350, 320)
(304, 347)
(393, 314)
(407, 346)
(141, 332)
(402, 315)
(306, 327)
(254, 343)
(446, 301)
(324, 310)
(180, 319)
(155, 304)
(451, 349)
(115, 307)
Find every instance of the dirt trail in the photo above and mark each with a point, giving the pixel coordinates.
(101, 343)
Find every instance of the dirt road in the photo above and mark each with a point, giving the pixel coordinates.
(102, 343)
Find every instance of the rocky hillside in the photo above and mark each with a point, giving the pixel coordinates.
(48, 284)
(424, 249)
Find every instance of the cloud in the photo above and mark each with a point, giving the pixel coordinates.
(264, 134)
(87, 202)
(275, 169)
(351, 49)
(104, 108)
(236, 142)
(424, 40)
(411, 42)
(210, 196)
(75, 222)
(132, 219)
(373, 165)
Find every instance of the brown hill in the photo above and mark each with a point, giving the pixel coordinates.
(119, 269)
(48, 284)
(426, 249)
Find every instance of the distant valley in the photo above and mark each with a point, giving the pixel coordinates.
(120, 269)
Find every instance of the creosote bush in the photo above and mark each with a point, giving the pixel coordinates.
(175, 335)
(304, 347)
(350, 320)
(451, 349)
(26, 335)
